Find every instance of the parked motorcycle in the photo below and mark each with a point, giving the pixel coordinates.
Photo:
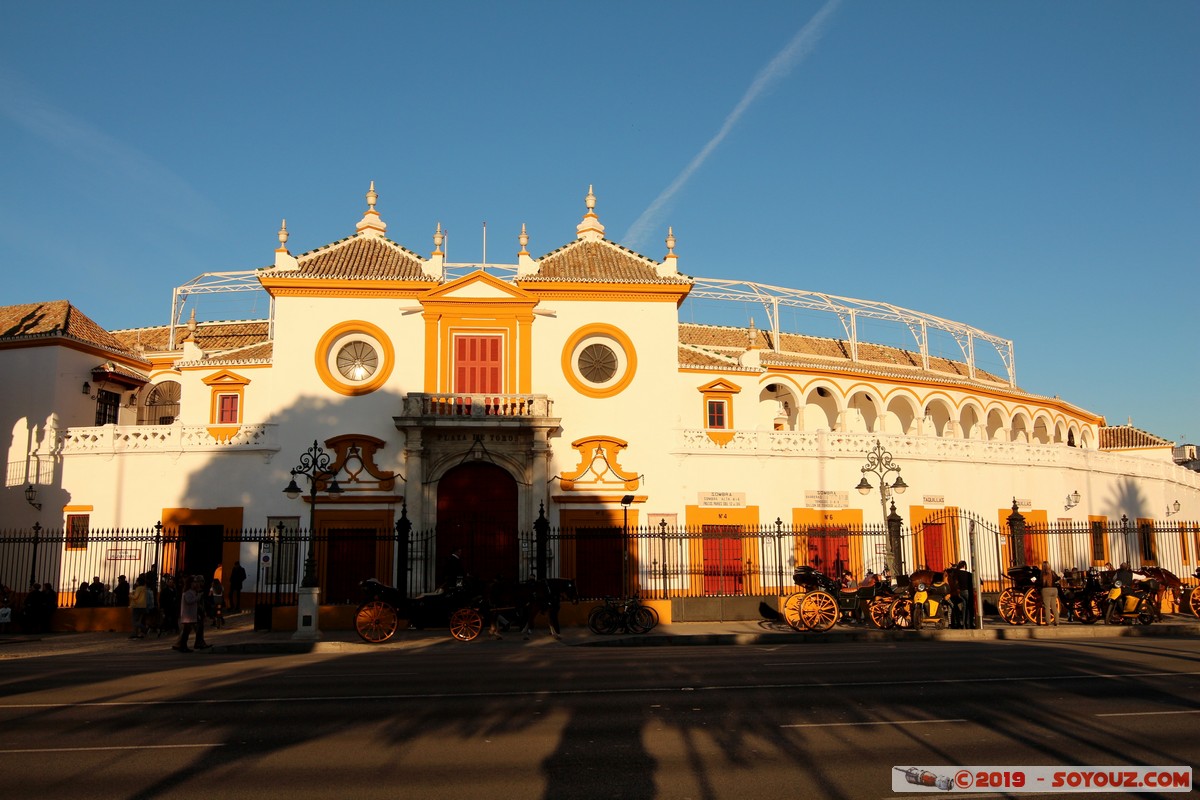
(1129, 604)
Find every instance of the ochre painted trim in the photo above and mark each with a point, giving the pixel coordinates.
(77, 509)
(599, 329)
(323, 352)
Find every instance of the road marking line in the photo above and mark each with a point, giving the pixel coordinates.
(542, 693)
(124, 747)
(1147, 713)
(885, 722)
(814, 663)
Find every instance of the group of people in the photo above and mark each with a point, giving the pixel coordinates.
(98, 594)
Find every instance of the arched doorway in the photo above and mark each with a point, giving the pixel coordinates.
(477, 511)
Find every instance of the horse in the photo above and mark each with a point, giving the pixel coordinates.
(1161, 580)
(529, 599)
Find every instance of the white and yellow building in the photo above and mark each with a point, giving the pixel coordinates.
(565, 383)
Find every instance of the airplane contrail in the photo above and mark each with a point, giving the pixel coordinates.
(800, 47)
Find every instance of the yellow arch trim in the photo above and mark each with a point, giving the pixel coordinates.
(599, 329)
(354, 326)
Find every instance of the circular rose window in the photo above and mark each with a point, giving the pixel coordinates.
(357, 360)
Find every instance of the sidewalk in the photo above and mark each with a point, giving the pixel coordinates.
(239, 637)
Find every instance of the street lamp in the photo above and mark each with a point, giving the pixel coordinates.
(880, 464)
(314, 465)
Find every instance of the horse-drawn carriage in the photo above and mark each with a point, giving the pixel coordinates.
(824, 604)
(465, 607)
(461, 607)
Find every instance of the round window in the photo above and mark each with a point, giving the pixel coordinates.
(598, 360)
(597, 363)
(357, 360)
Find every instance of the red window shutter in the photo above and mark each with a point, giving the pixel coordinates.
(477, 364)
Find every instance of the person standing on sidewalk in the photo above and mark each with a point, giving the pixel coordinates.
(236, 580)
(137, 608)
(191, 616)
(1050, 594)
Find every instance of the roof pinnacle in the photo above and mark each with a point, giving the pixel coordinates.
(524, 240)
(438, 238)
(371, 224)
(590, 228)
(283, 237)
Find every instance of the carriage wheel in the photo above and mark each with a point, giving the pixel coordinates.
(376, 621)
(1089, 611)
(819, 611)
(465, 624)
(900, 612)
(1194, 601)
(791, 611)
(1009, 606)
(1035, 612)
(877, 611)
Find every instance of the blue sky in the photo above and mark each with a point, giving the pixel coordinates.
(1028, 168)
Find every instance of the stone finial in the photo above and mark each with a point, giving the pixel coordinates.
(283, 259)
(753, 336)
(371, 224)
(590, 228)
(524, 240)
(670, 262)
(670, 242)
(438, 238)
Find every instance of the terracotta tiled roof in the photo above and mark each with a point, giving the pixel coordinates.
(56, 318)
(697, 357)
(121, 373)
(210, 336)
(361, 258)
(599, 262)
(260, 353)
(1119, 437)
(799, 350)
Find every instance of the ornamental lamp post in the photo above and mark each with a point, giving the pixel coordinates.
(315, 466)
(880, 464)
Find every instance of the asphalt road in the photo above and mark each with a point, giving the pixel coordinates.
(501, 720)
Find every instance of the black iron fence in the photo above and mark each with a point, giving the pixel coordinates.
(658, 563)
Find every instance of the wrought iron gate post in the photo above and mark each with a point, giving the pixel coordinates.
(403, 544)
(1016, 527)
(541, 535)
(895, 554)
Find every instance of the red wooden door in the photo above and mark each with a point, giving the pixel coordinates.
(722, 560)
(829, 552)
(477, 511)
(477, 364)
(932, 542)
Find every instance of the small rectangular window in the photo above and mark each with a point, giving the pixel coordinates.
(227, 409)
(108, 407)
(1146, 539)
(716, 414)
(77, 531)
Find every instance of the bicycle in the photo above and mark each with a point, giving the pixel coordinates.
(622, 615)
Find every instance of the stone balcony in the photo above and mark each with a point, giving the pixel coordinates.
(476, 410)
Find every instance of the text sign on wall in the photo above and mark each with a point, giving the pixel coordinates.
(934, 499)
(1025, 504)
(826, 498)
(722, 499)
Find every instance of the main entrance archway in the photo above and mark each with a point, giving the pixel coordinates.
(477, 511)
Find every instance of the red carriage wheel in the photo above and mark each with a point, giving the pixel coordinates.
(465, 624)
(819, 611)
(1194, 601)
(1010, 608)
(376, 621)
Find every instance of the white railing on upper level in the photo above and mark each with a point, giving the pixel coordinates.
(177, 438)
(904, 447)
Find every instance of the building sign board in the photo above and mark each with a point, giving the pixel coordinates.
(826, 498)
(722, 499)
